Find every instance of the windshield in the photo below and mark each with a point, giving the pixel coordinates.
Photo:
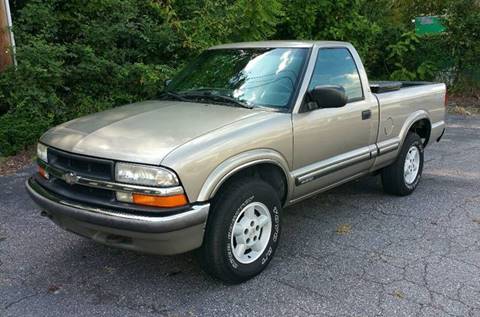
(249, 77)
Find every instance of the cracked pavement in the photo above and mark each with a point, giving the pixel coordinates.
(352, 251)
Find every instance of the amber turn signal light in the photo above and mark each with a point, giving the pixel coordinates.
(160, 201)
(43, 172)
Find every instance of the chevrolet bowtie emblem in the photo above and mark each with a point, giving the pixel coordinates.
(70, 178)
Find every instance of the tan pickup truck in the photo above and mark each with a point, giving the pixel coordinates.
(244, 130)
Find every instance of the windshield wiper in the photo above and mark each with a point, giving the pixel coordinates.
(221, 98)
(205, 95)
(174, 95)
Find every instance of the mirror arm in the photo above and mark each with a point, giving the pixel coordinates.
(308, 103)
(312, 105)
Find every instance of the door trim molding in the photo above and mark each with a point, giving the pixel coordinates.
(388, 146)
(314, 171)
(323, 189)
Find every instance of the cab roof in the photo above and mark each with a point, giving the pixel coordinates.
(277, 44)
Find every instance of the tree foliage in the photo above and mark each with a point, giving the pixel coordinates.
(76, 57)
(463, 43)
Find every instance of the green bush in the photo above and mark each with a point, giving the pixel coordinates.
(463, 41)
(77, 57)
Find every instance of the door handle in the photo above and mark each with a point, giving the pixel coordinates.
(366, 114)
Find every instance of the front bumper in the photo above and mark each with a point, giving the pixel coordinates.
(171, 234)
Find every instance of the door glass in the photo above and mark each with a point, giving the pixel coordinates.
(335, 66)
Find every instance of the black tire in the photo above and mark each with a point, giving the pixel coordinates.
(216, 255)
(393, 178)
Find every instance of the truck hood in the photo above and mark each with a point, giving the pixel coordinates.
(142, 132)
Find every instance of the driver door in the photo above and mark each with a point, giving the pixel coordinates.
(333, 145)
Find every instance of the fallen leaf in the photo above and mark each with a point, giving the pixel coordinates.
(344, 229)
(54, 289)
(461, 110)
(11, 164)
(399, 294)
(173, 273)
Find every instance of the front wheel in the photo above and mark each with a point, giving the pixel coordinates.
(402, 177)
(242, 231)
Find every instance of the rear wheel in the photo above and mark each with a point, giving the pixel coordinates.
(402, 177)
(242, 231)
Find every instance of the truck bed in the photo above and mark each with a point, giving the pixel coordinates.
(379, 87)
(413, 97)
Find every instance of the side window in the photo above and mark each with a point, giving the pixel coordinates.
(335, 66)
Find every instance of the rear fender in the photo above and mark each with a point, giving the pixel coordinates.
(411, 120)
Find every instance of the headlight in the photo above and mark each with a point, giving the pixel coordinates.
(145, 175)
(42, 152)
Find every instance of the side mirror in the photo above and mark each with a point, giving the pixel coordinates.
(326, 97)
(167, 82)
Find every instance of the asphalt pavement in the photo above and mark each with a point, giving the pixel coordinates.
(353, 251)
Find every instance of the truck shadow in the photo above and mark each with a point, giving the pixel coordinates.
(329, 237)
(120, 267)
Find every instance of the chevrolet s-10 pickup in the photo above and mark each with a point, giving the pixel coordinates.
(242, 131)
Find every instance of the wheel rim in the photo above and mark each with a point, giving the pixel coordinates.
(251, 232)
(412, 165)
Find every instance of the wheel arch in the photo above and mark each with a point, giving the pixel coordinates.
(418, 122)
(423, 128)
(268, 164)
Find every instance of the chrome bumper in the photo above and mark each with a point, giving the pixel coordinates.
(153, 234)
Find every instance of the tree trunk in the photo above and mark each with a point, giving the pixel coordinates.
(6, 56)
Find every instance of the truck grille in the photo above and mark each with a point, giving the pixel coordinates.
(61, 163)
(80, 193)
(81, 165)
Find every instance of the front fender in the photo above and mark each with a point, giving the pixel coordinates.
(238, 162)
